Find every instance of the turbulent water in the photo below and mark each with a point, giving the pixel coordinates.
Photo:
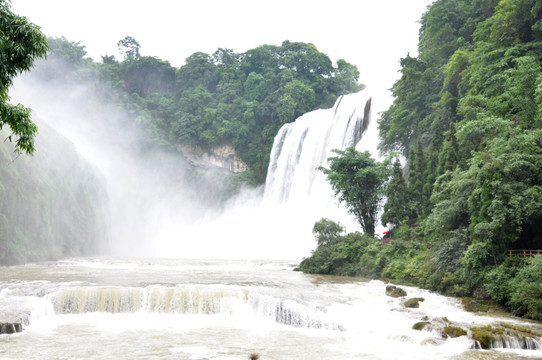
(297, 194)
(204, 309)
(304, 145)
(188, 309)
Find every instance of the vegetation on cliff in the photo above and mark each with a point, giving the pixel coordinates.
(467, 116)
(51, 203)
(221, 99)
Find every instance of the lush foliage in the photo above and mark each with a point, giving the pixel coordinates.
(212, 100)
(467, 116)
(21, 42)
(358, 180)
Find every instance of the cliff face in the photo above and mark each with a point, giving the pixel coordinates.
(220, 157)
(52, 204)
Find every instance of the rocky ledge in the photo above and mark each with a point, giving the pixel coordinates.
(10, 326)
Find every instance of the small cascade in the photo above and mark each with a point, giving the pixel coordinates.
(516, 342)
(290, 313)
(507, 337)
(187, 301)
(79, 300)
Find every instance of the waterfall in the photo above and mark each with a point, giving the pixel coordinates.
(303, 146)
(296, 194)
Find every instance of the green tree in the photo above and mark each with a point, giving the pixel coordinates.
(129, 48)
(21, 42)
(526, 292)
(327, 232)
(358, 181)
(418, 196)
(396, 208)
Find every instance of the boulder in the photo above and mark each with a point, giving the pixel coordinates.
(421, 325)
(453, 332)
(413, 302)
(10, 327)
(395, 291)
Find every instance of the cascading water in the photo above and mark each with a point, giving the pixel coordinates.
(193, 309)
(206, 300)
(296, 193)
(303, 146)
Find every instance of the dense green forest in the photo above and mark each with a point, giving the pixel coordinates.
(467, 116)
(221, 99)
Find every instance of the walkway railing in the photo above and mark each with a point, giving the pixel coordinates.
(524, 252)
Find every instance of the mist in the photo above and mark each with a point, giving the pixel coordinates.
(146, 186)
(160, 205)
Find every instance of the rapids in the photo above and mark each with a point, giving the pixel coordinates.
(166, 308)
(190, 309)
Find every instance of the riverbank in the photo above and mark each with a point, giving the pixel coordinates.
(512, 283)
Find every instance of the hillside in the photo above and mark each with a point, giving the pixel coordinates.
(467, 117)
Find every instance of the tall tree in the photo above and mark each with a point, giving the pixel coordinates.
(396, 208)
(129, 48)
(21, 42)
(358, 181)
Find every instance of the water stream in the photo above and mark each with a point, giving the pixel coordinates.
(194, 309)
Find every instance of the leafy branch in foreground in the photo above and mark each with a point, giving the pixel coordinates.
(21, 42)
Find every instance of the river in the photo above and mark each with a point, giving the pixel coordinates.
(204, 309)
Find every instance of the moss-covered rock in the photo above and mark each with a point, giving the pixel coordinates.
(453, 331)
(413, 302)
(484, 336)
(421, 325)
(473, 305)
(395, 291)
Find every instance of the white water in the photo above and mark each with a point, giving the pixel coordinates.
(297, 194)
(152, 213)
(188, 309)
(306, 144)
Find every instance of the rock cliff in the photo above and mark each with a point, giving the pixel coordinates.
(221, 157)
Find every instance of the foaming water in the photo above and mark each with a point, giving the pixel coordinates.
(189, 309)
(153, 211)
(276, 222)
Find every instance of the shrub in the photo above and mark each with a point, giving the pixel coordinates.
(526, 299)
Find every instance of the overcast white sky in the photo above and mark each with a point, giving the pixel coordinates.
(372, 34)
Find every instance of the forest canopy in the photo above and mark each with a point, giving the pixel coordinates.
(224, 98)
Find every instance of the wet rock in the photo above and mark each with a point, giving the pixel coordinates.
(10, 327)
(395, 291)
(413, 302)
(484, 336)
(474, 305)
(433, 342)
(453, 332)
(421, 325)
(504, 335)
